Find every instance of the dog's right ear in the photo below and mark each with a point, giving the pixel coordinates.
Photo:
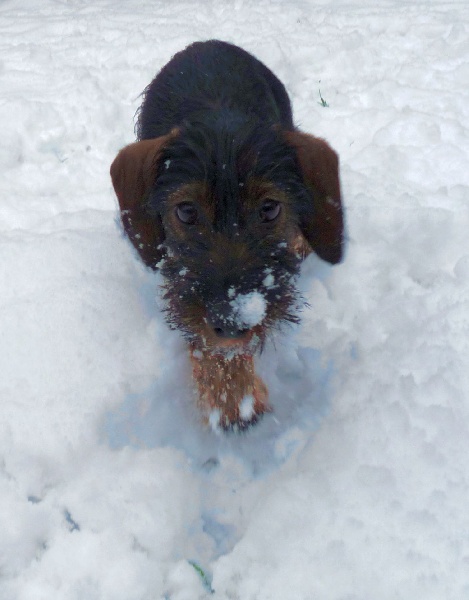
(133, 173)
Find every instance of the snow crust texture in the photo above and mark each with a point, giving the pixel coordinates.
(357, 485)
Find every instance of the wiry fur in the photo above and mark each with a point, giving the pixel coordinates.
(215, 130)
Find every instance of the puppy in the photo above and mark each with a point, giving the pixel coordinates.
(226, 197)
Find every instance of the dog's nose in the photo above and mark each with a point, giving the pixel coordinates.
(223, 323)
(229, 331)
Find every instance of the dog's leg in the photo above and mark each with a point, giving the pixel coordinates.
(230, 394)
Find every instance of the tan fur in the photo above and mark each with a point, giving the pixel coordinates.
(133, 173)
(223, 382)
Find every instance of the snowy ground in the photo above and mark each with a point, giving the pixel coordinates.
(357, 487)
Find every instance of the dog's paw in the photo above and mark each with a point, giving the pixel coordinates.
(239, 415)
(231, 396)
(220, 422)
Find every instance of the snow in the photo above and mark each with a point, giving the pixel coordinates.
(269, 280)
(246, 407)
(214, 420)
(248, 309)
(356, 486)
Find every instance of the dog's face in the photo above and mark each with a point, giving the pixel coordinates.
(228, 217)
(229, 209)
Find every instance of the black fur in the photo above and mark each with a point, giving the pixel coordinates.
(230, 111)
(213, 77)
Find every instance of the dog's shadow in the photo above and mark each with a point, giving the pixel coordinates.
(165, 414)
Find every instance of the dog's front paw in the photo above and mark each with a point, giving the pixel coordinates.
(251, 408)
(230, 394)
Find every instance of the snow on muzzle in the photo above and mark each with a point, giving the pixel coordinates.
(234, 316)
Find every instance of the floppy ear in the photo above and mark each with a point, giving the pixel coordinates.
(320, 166)
(133, 173)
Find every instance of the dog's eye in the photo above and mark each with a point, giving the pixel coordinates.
(187, 213)
(269, 211)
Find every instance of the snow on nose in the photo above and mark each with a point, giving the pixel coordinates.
(235, 317)
(249, 309)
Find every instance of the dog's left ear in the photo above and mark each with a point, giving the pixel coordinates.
(320, 167)
(133, 173)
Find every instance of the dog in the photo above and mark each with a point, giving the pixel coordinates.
(225, 196)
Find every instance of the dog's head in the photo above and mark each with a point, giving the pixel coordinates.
(228, 214)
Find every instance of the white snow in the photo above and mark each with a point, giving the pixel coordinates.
(246, 407)
(269, 280)
(214, 420)
(357, 485)
(249, 309)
